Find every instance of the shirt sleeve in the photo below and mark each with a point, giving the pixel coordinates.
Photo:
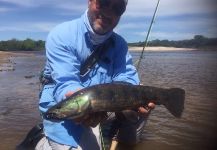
(64, 64)
(124, 69)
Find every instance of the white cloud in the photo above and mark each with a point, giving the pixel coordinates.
(25, 3)
(137, 8)
(171, 36)
(170, 7)
(193, 23)
(130, 26)
(30, 27)
(64, 4)
(73, 6)
(163, 35)
(3, 10)
(173, 29)
(43, 26)
(136, 29)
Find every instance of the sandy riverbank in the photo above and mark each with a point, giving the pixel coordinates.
(159, 49)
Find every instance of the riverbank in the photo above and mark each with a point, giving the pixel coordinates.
(169, 49)
(7, 64)
(159, 49)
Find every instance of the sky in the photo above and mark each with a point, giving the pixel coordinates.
(175, 19)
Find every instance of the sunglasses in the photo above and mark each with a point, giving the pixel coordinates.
(117, 7)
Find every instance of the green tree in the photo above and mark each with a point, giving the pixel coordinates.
(28, 45)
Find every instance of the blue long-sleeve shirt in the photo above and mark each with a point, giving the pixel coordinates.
(67, 47)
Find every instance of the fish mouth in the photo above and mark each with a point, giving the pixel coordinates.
(56, 117)
(52, 116)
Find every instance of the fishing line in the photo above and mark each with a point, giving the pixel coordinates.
(147, 36)
(102, 140)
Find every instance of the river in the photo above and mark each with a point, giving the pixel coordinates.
(194, 71)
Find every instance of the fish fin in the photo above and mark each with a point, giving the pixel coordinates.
(175, 102)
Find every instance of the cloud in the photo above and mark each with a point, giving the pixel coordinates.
(169, 28)
(171, 36)
(25, 3)
(183, 7)
(182, 18)
(130, 26)
(73, 6)
(138, 8)
(4, 10)
(165, 24)
(29, 27)
(67, 4)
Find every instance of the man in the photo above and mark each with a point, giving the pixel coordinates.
(67, 47)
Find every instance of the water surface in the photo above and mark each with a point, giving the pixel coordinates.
(194, 71)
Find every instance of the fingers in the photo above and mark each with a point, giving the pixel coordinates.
(151, 105)
(69, 93)
(147, 108)
(145, 111)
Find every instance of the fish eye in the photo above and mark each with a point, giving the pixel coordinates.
(49, 116)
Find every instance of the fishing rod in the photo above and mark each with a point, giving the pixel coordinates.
(147, 36)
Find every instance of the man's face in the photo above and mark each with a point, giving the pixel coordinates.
(104, 15)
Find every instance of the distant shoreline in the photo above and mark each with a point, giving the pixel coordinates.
(130, 48)
(166, 49)
(159, 49)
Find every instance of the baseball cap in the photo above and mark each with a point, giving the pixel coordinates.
(118, 6)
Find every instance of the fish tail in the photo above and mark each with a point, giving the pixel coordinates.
(175, 101)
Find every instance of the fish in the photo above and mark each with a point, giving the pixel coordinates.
(116, 97)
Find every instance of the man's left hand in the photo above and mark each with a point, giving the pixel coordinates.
(145, 111)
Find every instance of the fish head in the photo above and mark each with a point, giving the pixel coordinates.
(73, 107)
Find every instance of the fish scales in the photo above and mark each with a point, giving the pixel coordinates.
(113, 97)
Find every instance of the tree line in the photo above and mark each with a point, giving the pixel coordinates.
(199, 41)
(22, 45)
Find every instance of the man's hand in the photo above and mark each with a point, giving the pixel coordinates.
(69, 93)
(91, 120)
(145, 111)
(132, 115)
